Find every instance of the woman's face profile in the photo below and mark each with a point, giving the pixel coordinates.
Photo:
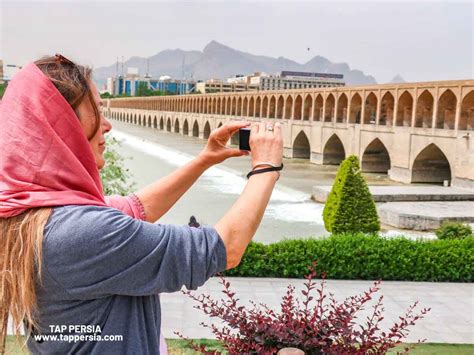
(87, 119)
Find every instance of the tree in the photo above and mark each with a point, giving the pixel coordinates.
(350, 207)
(115, 177)
(3, 87)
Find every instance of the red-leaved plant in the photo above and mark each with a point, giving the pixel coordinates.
(313, 325)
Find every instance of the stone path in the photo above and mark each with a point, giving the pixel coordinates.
(451, 319)
(425, 215)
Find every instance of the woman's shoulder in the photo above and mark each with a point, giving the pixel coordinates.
(83, 222)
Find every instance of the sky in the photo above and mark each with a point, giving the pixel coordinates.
(420, 40)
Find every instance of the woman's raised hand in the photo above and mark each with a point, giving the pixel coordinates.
(266, 142)
(215, 151)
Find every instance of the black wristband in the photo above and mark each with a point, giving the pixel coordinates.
(265, 170)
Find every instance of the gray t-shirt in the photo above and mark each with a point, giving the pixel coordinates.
(104, 268)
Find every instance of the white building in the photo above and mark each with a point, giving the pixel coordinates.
(295, 80)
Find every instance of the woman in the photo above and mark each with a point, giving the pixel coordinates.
(73, 262)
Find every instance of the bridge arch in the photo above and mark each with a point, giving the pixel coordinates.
(301, 146)
(333, 153)
(370, 110)
(168, 125)
(258, 103)
(298, 108)
(176, 126)
(228, 106)
(280, 106)
(186, 128)
(196, 129)
(239, 106)
(446, 110)
(318, 108)
(356, 108)
(289, 107)
(265, 107)
(342, 102)
(307, 107)
(251, 110)
(386, 109)
(405, 110)
(424, 110)
(376, 158)
(466, 119)
(233, 106)
(207, 130)
(431, 166)
(271, 108)
(329, 108)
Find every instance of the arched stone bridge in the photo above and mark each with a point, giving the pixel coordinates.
(415, 132)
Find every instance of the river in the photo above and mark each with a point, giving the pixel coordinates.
(151, 154)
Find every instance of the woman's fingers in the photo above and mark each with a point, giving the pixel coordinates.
(231, 152)
(235, 126)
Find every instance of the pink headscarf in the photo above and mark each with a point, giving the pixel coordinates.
(45, 158)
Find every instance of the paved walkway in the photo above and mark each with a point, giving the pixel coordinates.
(451, 319)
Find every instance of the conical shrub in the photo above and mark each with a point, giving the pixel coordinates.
(350, 207)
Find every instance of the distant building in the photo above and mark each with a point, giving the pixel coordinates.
(216, 85)
(295, 80)
(130, 83)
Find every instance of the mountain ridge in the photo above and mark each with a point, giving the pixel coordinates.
(218, 61)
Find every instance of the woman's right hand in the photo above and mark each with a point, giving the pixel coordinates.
(266, 146)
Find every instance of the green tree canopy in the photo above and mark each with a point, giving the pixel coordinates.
(350, 207)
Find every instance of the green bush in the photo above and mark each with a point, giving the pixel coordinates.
(115, 178)
(350, 207)
(362, 257)
(454, 230)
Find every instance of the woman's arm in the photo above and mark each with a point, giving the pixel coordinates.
(239, 224)
(158, 197)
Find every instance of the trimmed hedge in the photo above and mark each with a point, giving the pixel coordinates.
(454, 230)
(362, 257)
(350, 207)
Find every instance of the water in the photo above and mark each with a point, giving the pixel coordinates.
(152, 154)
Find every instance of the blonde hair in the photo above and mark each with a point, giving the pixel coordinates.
(21, 236)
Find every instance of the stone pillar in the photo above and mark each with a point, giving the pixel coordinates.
(457, 116)
(349, 100)
(435, 108)
(322, 119)
(395, 109)
(415, 105)
(379, 108)
(362, 109)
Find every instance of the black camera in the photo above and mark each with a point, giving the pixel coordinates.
(244, 138)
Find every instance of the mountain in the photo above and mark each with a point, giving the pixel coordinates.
(397, 79)
(220, 62)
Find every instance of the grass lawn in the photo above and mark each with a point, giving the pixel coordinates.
(179, 347)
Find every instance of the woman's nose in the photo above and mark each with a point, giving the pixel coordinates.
(106, 123)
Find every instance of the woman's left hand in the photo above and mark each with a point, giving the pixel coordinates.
(215, 151)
